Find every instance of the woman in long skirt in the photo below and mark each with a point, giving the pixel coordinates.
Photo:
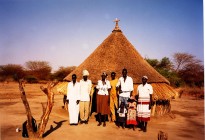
(103, 96)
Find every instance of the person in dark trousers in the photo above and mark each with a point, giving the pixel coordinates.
(103, 99)
(121, 117)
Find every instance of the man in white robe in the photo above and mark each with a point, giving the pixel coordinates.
(73, 97)
(144, 98)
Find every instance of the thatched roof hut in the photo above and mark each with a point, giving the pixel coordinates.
(116, 53)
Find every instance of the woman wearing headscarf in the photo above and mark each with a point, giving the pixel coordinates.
(103, 96)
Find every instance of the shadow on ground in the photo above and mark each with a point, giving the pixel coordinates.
(58, 125)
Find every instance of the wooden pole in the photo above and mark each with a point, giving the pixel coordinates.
(153, 109)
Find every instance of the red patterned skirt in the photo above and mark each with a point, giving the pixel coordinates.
(143, 111)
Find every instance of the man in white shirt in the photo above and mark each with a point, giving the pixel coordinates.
(125, 87)
(144, 97)
(73, 97)
(85, 89)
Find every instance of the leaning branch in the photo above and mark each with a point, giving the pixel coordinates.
(30, 131)
(46, 110)
(45, 117)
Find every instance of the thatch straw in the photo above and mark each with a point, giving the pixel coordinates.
(116, 53)
(163, 91)
(61, 88)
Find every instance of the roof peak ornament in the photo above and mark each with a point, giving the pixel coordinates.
(117, 28)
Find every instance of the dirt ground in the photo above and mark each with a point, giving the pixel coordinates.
(185, 123)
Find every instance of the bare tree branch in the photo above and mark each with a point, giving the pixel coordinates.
(46, 111)
(50, 103)
(182, 59)
(28, 111)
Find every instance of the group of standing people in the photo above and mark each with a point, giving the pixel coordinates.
(114, 98)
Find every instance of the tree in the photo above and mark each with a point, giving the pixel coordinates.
(39, 69)
(183, 59)
(165, 63)
(189, 69)
(153, 62)
(62, 72)
(192, 74)
(13, 71)
(165, 68)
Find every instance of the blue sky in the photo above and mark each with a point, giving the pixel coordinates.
(66, 32)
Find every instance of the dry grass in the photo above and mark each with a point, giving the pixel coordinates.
(194, 92)
(11, 90)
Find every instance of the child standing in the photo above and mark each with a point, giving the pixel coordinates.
(132, 112)
(122, 111)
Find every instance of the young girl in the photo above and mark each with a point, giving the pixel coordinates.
(122, 111)
(132, 112)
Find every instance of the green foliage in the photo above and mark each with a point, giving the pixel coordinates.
(165, 63)
(172, 76)
(165, 68)
(153, 62)
(184, 70)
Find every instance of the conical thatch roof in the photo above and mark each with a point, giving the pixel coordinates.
(114, 54)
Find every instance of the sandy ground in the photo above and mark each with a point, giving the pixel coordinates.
(187, 124)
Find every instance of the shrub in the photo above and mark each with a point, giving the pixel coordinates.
(194, 92)
(31, 79)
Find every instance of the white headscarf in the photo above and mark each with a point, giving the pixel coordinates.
(85, 73)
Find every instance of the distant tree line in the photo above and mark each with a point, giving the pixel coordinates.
(183, 70)
(33, 72)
